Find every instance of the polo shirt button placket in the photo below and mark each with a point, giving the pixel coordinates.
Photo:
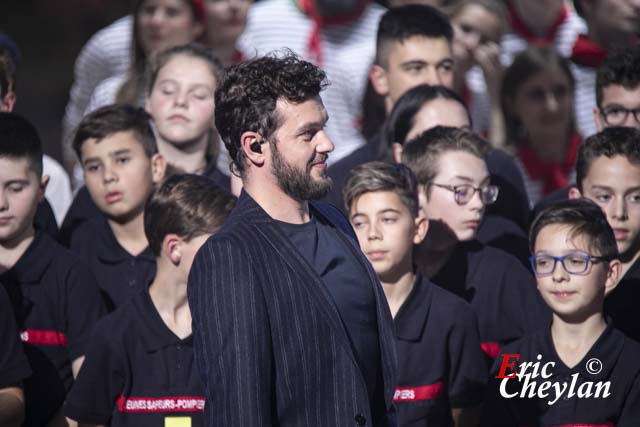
(360, 419)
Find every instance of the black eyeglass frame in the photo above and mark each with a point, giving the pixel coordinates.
(454, 190)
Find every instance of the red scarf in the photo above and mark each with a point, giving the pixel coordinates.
(554, 175)
(521, 28)
(587, 53)
(309, 8)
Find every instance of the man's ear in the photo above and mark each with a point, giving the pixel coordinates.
(574, 193)
(422, 226)
(397, 152)
(249, 138)
(158, 168)
(44, 181)
(379, 80)
(172, 248)
(613, 276)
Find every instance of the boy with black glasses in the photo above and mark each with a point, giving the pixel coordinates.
(454, 193)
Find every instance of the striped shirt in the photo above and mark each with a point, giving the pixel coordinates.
(107, 53)
(347, 49)
(584, 98)
(534, 188)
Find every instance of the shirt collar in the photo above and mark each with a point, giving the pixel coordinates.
(33, 263)
(606, 350)
(156, 334)
(412, 316)
(110, 251)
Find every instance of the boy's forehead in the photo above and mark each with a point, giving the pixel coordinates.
(616, 171)
(377, 201)
(416, 43)
(561, 236)
(110, 144)
(454, 163)
(12, 169)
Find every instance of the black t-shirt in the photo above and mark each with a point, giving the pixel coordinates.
(613, 358)
(120, 274)
(439, 358)
(500, 289)
(14, 366)
(621, 305)
(56, 303)
(501, 233)
(137, 373)
(349, 285)
(81, 210)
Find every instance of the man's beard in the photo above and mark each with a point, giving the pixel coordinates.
(296, 183)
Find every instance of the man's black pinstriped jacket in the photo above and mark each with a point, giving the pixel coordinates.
(269, 341)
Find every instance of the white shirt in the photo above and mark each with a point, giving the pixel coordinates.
(347, 50)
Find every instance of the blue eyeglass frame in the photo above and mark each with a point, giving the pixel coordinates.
(589, 258)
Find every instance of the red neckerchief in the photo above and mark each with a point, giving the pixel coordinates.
(521, 28)
(587, 53)
(309, 8)
(237, 57)
(554, 175)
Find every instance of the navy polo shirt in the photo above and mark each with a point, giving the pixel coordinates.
(440, 362)
(82, 209)
(617, 361)
(501, 291)
(501, 233)
(56, 304)
(621, 305)
(14, 366)
(120, 274)
(137, 373)
(45, 219)
(349, 285)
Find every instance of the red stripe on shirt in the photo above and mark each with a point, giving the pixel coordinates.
(414, 394)
(40, 337)
(161, 404)
(584, 425)
(491, 349)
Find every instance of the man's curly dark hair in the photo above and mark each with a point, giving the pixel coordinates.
(246, 99)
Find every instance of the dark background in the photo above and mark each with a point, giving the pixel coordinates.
(50, 34)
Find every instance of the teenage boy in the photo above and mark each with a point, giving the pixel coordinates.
(413, 47)
(140, 369)
(455, 190)
(618, 90)
(121, 164)
(45, 218)
(53, 294)
(608, 173)
(581, 370)
(611, 25)
(617, 93)
(442, 372)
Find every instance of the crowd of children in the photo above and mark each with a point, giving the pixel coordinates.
(497, 200)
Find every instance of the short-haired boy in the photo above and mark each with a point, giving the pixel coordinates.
(455, 190)
(581, 370)
(140, 369)
(53, 294)
(608, 173)
(413, 47)
(121, 164)
(618, 90)
(442, 372)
